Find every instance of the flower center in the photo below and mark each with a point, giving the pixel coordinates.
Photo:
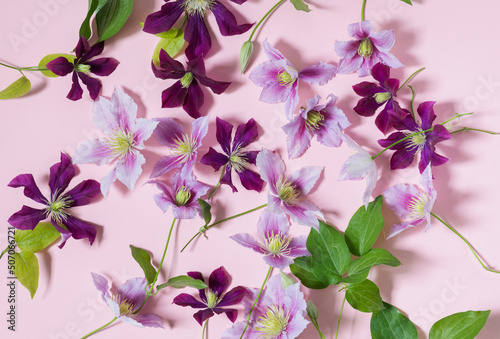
(200, 7)
(382, 97)
(418, 139)
(82, 68)
(121, 142)
(125, 306)
(273, 323)
(212, 299)
(276, 244)
(417, 205)
(284, 78)
(182, 197)
(187, 79)
(184, 146)
(314, 120)
(57, 208)
(287, 191)
(238, 160)
(365, 48)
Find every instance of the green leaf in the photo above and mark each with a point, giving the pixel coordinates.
(329, 253)
(16, 89)
(183, 281)
(302, 269)
(205, 209)
(112, 16)
(94, 6)
(300, 5)
(378, 256)
(48, 58)
(389, 323)
(26, 270)
(144, 260)
(408, 2)
(364, 296)
(37, 239)
(364, 227)
(463, 325)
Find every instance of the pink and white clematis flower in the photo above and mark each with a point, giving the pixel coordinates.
(287, 194)
(280, 80)
(411, 203)
(125, 136)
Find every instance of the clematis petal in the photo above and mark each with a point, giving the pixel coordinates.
(227, 21)
(346, 49)
(124, 110)
(31, 190)
(278, 261)
(76, 91)
(330, 134)
(245, 134)
(398, 228)
(200, 129)
(169, 67)
(297, 246)
(101, 284)
(383, 40)
(103, 66)
(164, 19)
(251, 180)
(298, 137)
(194, 100)
(265, 74)
(231, 313)
(248, 241)
(168, 131)
(27, 218)
(360, 30)
(129, 170)
(80, 229)
(271, 167)
(82, 47)
(305, 178)
(61, 174)
(388, 59)
(133, 290)
(371, 182)
(142, 131)
(185, 299)
(271, 52)
(305, 213)
(367, 89)
(60, 66)
(107, 181)
(400, 197)
(292, 101)
(203, 315)
(350, 65)
(93, 85)
(403, 158)
(275, 93)
(84, 192)
(91, 52)
(149, 320)
(198, 37)
(318, 74)
(95, 151)
(381, 72)
(219, 281)
(214, 159)
(166, 164)
(215, 86)
(429, 156)
(272, 223)
(233, 297)
(174, 96)
(227, 180)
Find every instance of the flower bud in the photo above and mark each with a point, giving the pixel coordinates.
(312, 311)
(245, 55)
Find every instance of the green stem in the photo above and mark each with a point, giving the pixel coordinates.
(412, 100)
(148, 294)
(466, 242)
(4, 251)
(264, 18)
(256, 300)
(400, 140)
(363, 6)
(457, 116)
(204, 328)
(315, 323)
(205, 228)
(210, 195)
(33, 68)
(409, 78)
(473, 129)
(340, 317)
(100, 328)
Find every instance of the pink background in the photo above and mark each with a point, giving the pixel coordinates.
(457, 42)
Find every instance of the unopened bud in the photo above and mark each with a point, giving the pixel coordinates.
(245, 55)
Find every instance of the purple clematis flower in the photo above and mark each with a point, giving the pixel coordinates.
(280, 80)
(235, 157)
(125, 136)
(375, 96)
(57, 205)
(126, 301)
(411, 203)
(274, 240)
(187, 91)
(423, 139)
(279, 313)
(182, 196)
(359, 166)
(368, 49)
(325, 121)
(287, 194)
(196, 32)
(183, 147)
(214, 299)
(82, 66)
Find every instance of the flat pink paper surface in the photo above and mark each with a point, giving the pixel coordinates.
(457, 42)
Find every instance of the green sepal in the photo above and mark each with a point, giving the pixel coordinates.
(364, 296)
(302, 269)
(359, 268)
(26, 270)
(112, 16)
(48, 58)
(37, 239)
(182, 281)
(389, 323)
(301, 5)
(144, 260)
(16, 89)
(463, 325)
(364, 227)
(205, 210)
(408, 2)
